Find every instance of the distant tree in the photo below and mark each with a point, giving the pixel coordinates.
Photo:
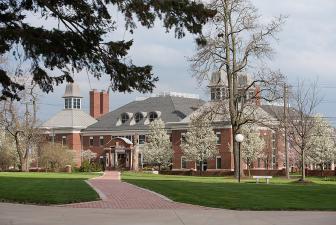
(235, 44)
(300, 121)
(20, 122)
(54, 156)
(158, 149)
(8, 156)
(200, 140)
(322, 148)
(81, 40)
(252, 146)
(88, 155)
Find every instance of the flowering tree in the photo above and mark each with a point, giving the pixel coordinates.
(158, 149)
(252, 146)
(322, 148)
(88, 155)
(200, 141)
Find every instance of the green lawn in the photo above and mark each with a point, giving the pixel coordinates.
(225, 192)
(46, 188)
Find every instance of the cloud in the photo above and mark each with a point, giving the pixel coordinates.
(306, 48)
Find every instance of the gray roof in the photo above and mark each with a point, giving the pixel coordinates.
(278, 111)
(219, 114)
(69, 118)
(169, 108)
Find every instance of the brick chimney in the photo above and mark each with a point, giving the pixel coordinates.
(99, 103)
(104, 102)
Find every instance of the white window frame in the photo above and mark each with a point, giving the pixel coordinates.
(138, 117)
(64, 137)
(123, 118)
(218, 157)
(219, 139)
(183, 157)
(91, 138)
(144, 140)
(152, 116)
(101, 138)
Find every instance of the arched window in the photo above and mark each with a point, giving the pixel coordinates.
(138, 117)
(124, 118)
(153, 116)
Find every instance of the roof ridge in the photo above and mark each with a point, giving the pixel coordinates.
(171, 99)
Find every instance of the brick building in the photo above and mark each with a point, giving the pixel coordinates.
(117, 136)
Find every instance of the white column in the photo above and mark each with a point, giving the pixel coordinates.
(333, 165)
(131, 158)
(115, 158)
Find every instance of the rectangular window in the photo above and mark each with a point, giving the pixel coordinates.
(64, 140)
(91, 141)
(76, 103)
(213, 94)
(101, 140)
(218, 162)
(183, 163)
(67, 103)
(142, 139)
(218, 135)
(183, 137)
(218, 93)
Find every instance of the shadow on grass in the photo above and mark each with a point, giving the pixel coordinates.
(244, 196)
(44, 190)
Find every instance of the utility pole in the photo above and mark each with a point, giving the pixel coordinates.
(27, 141)
(285, 125)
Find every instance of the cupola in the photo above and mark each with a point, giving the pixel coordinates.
(72, 97)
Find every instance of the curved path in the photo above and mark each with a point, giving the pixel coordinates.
(116, 194)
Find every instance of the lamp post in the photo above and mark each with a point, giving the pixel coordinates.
(239, 139)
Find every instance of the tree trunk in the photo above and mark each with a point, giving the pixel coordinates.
(249, 170)
(303, 172)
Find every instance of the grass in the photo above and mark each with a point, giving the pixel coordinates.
(46, 188)
(225, 192)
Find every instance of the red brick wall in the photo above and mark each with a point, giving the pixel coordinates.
(104, 103)
(96, 147)
(223, 148)
(94, 103)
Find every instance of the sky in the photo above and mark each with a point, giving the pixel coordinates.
(306, 49)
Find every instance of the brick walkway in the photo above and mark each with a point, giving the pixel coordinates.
(120, 195)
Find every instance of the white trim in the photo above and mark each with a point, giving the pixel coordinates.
(220, 138)
(183, 157)
(115, 133)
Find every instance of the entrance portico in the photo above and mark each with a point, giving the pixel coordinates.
(119, 154)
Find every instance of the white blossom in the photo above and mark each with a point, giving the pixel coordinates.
(200, 140)
(321, 142)
(158, 149)
(252, 146)
(88, 155)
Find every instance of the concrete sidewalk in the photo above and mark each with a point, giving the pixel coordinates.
(11, 214)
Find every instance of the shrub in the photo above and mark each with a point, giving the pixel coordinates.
(90, 167)
(55, 156)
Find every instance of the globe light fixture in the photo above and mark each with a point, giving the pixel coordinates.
(239, 138)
